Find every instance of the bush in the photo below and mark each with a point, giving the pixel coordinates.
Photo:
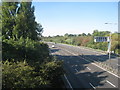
(117, 51)
(24, 49)
(52, 71)
(24, 63)
(21, 75)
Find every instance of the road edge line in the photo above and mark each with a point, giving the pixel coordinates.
(92, 86)
(110, 83)
(68, 82)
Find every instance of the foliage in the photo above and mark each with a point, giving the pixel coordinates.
(21, 75)
(18, 20)
(8, 18)
(100, 33)
(24, 56)
(52, 71)
(24, 49)
(26, 20)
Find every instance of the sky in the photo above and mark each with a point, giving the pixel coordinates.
(59, 18)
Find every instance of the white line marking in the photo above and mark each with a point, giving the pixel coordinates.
(95, 65)
(88, 68)
(76, 70)
(76, 65)
(118, 65)
(92, 86)
(110, 83)
(68, 82)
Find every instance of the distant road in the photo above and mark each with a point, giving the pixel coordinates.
(83, 73)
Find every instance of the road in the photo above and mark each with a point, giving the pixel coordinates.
(81, 72)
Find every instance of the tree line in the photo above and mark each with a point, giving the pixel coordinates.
(26, 62)
(87, 40)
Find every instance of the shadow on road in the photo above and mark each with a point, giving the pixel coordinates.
(76, 65)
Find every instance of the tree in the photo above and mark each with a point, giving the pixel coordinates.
(39, 30)
(100, 33)
(83, 34)
(89, 34)
(66, 35)
(18, 20)
(79, 34)
(22, 53)
(95, 33)
(9, 10)
(25, 22)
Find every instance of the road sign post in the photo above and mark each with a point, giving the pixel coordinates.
(109, 43)
(104, 39)
(110, 38)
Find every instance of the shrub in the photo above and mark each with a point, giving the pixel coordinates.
(24, 49)
(52, 71)
(21, 75)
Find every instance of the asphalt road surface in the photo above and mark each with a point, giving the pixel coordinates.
(81, 71)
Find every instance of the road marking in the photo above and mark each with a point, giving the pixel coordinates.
(76, 65)
(118, 65)
(92, 86)
(76, 70)
(110, 83)
(95, 64)
(68, 82)
(88, 68)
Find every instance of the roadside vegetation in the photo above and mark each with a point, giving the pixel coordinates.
(87, 40)
(26, 62)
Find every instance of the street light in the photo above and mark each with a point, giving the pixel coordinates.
(111, 23)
